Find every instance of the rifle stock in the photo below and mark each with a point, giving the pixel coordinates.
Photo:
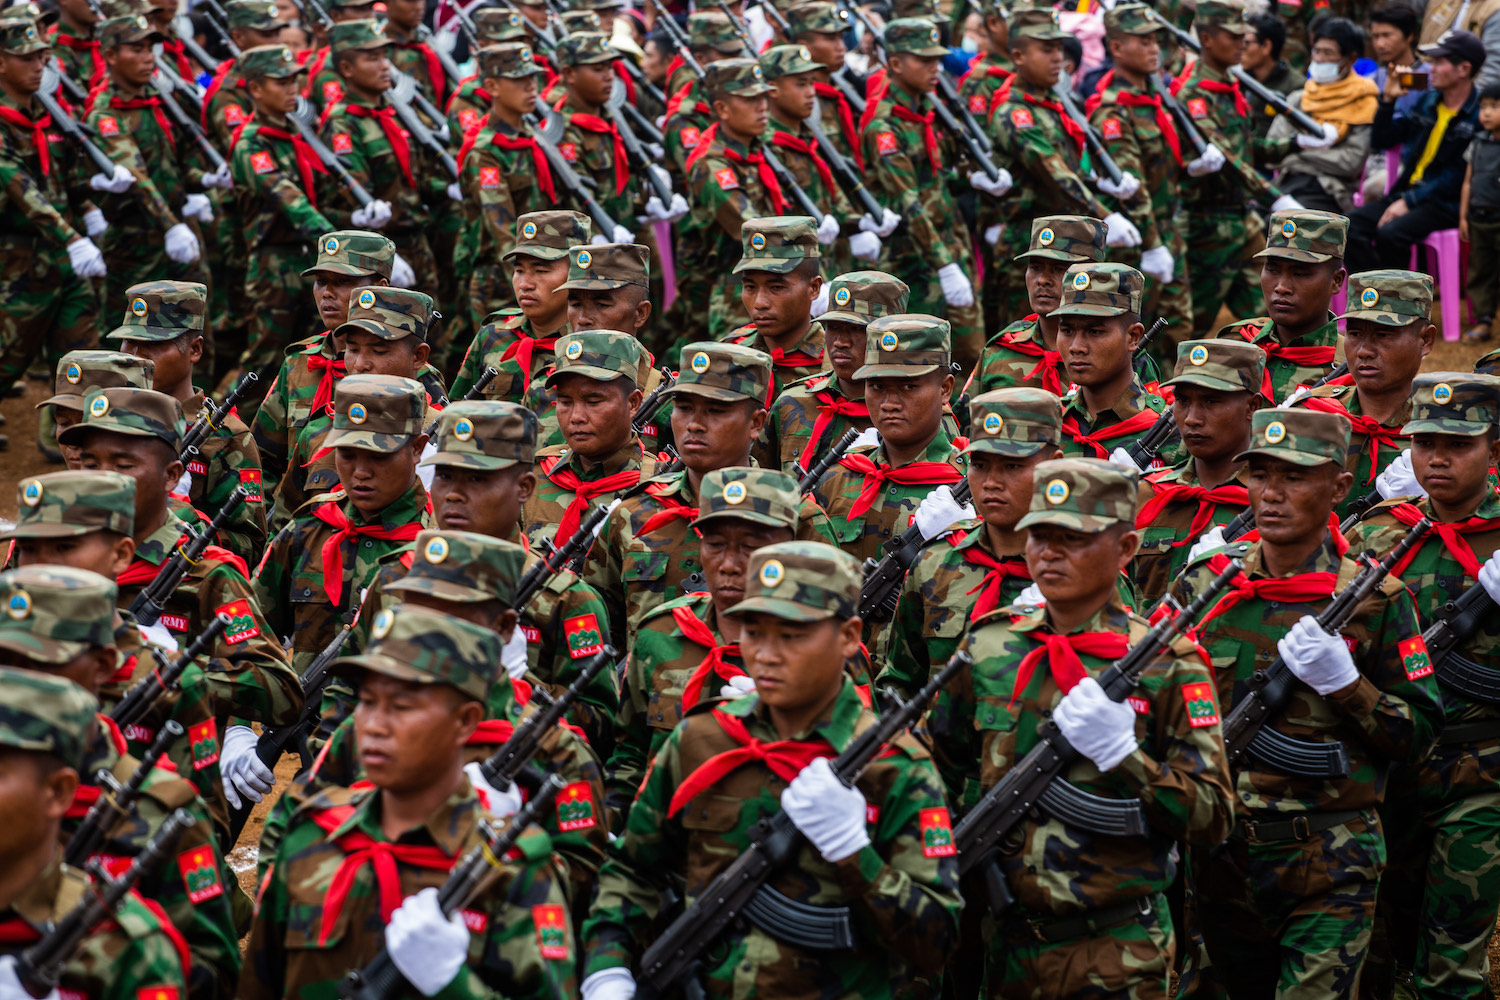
(820, 468)
(507, 763)
(116, 800)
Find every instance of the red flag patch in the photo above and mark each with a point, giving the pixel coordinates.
(584, 636)
(1021, 118)
(1197, 107)
(468, 118)
(1414, 658)
(108, 126)
(1202, 709)
(203, 739)
(886, 144)
(342, 143)
(1112, 128)
(332, 92)
(262, 163)
(689, 137)
(575, 808)
(726, 178)
(937, 833)
(250, 479)
(241, 622)
(489, 177)
(234, 114)
(200, 874)
(551, 931)
(569, 151)
(977, 104)
(156, 993)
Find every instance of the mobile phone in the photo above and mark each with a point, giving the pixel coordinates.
(1414, 80)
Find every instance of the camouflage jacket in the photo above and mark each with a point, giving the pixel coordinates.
(804, 358)
(272, 200)
(902, 887)
(162, 156)
(411, 53)
(792, 440)
(1287, 374)
(1233, 131)
(228, 105)
(40, 203)
(1095, 435)
(1026, 125)
(78, 55)
(506, 332)
(499, 186)
(985, 722)
(987, 73)
(891, 507)
(308, 374)
(1017, 355)
(1392, 714)
(901, 175)
(1373, 446)
(468, 107)
(301, 946)
(1139, 146)
(688, 117)
(589, 145)
(550, 500)
(325, 87)
(358, 140)
(796, 149)
(226, 459)
(1170, 533)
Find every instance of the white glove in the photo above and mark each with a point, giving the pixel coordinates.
(426, 946)
(956, 287)
(1158, 263)
(182, 244)
(184, 483)
(997, 187)
(86, 259)
(888, 222)
(1122, 458)
(1030, 597)
(1489, 576)
(678, 208)
(1398, 479)
(1122, 232)
(502, 802)
(605, 520)
(513, 654)
(1211, 539)
(598, 238)
(828, 230)
(820, 304)
(243, 772)
(197, 207)
(219, 178)
(1328, 138)
(657, 212)
(656, 151)
(737, 687)
(609, 984)
(1100, 729)
(116, 183)
(159, 635)
(830, 814)
(1212, 161)
(402, 276)
(938, 511)
(1129, 185)
(1286, 203)
(10, 982)
(94, 222)
(868, 438)
(992, 234)
(623, 235)
(456, 191)
(1321, 661)
(865, 246)
(372, 216)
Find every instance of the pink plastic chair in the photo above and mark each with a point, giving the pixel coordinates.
(1445, 260)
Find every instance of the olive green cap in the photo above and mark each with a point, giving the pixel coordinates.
(778, 244)
(377, 413)
(1390, 298)
(127, 410)
(712, 29)
(1100, 289)
(817, 17)
(600, 267)
(905, 344)
(1302, 437)
(119, 31)
(354, 252)
(66, 504)
(162, 310)
(273, 61)
(585, 49)
(734, 77)
(1489, 364)
(916, 36)
(721, 371)
(80, 371)
(549, 235)
(1040, 23)
(1226, 365)
(581, 22)
(508, 61)
(423, 646)
(1220, 14)
(1018, 422)
(801, 582)
(1305, 235)
(55, 613)
(1131, 19)
(787, 60)
(765, 496)
(258, 15)
(602, 355)
(363, 35)
(917, 8)
(389, 313)
(1077, 239)
(496, 24)
(1454, 403)
(21, 37)
(123, 8)
(1082, 494)
(46, 713)
(860, 296)
(463, 566)
(484, 434)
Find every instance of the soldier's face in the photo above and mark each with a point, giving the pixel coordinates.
(409, 734)
(744, 116)
(405, 14)
(1044, 279)
(796, 665)
(1138, 54)
(1298, 292)
(368, 72)
(1215, 425)
(1224, 47)
(484, 500)
(1453, 468)
(101, 552)
(1076, 567)
(778, 304)
(1292, 502)
(825, 47)
(132, 63)
(1383, 358)
(538, 286)
(1038, 61)
(331, 293)
(516, 95)
(916, 73)
(591, 84)
(67, 418)
(23, 74)
(142, 459)
(33, 798)
(174, 359)
(908, 409)
(725, 552)
(367, 354)
(374, 480)
(623, 309)
(794, 96)
(594, 416)
(713, 433)
(1096, 349)
(276, 95)
(1002, 484)
(78, 11)
(89, 669)
(845, 344)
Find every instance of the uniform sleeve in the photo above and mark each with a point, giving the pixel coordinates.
(484, 183)
(272, 581)
(270, 432)
(120, 146)
(627, 761)
(579, 606)
(1254, 183)
(955, 741)
(515, 961)
(254, 167)
(906, 663)
(249, 674)
(604, 570)
(892, 177)
(26, 197)
(714, 204)
(233, 459)
(350, 152)
(1121, 143)
(1032, 150)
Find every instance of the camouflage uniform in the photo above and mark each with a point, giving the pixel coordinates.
(591, 141)
(79, 57)
(324, 87)
(779, 246)
(692, 817)
(1089, 917)
(839, 121)
(1287, 904)
(226, 100)
(688, 116)
(80, 371)
(469, 105)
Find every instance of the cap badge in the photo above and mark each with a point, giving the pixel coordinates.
(1080, 281)
(755, 72)
(888, 341)
(463, 429)
(993, 423)
(803, 54)
(30, 33)
(699, 364)
(437, 550)
(585, 259)
(1288, 229)
(358, 414)
(73, 373)
(381, 627)
(574, 351)
(734, 493)
(1045, 237)
(932, 36)
(331, 246)
(367, 299)
(1369, 298)
(99, 407)
(758, 242)
(525, 54)
(31, 493)
(1198, 355)
(138, 306)
(1275, 432)
(1442, 392)
(529, 230)
(19, 605)
(841, 297)
(771, 573)
(141, 22)
(1057, 491)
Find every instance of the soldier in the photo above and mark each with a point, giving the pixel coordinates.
(780, 280)
(470, 104)
(325, 87)
(45, 727)
(163, 325)
(1370, 689)
(76, 34)
(591, 141)
(423, 687)
(612, 293)
(991, 67)
(411, 51)
(812, 413)
(819, 27)
(1090, 916)
(80, 371)
(227, 102)
(909, 171)
(711, 39)
(881, 849)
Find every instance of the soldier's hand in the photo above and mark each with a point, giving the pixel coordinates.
(182, 244)
(197, 207)
(828, 230)
(1031, 596)
(116, 183)
(455, 192)
(1211, 539)
(513, 654)
(1100, 729)
(1489, 576)
(501, 802)
(956, 288)
(737, 687)
(372, 216)
(86, 259)
(402, 276)
(1399, 479)
(426, 946)
(1212, 161)
(623, 235)
(243, 772)
(1286, 203)
(1121, 457)
(992, 233)
(868, 438)
(94, 222)
(219, 178)
(884, 227)
(1158, 263)
(865, 246)
(608, 984)
(1321, 661)
(938, 512)
(1328, 138)
(1121, 231)
(828, 812)
(996, 186)
(10, 982)
(1129, 185)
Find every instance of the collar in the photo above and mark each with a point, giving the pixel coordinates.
(1324, 559)
(1132, 401)
(811, 342)
(836, 724)
(1112, 617)
(447, 828)
(1186, 474)
(43, 900)
(1326, 335)
(157, 546)
(410, 506)
(939, 449)
(1351, 403)
(1489, 507)
(627, 457)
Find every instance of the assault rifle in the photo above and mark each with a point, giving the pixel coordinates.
(814, 475)
(116, 799)
(547, 128)
(69, 126)
(217, 18)
(182, 26)
(877, 597)
(1337, 371)
(174, 81)
(149, 604)
(1145, 449)
(845, 172)
(556, 558)
(616, 109)
(743, 889)
(404, 94)
(305, 120)
(132, 708)
(1091, 136)
(191, 126)
(210, 417)
(1185, 126)
(475, 391)
(653, 402)
(1456, 621)
(510, 762)
(1140, 357)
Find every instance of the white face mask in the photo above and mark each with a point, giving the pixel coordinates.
(969, 44)
(1323, 72)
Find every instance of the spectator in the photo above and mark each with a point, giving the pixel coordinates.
(1326, 177)
(1393, 37)
(1479, 217)
(1262, 60)
(1473, 16)
(1433, 133)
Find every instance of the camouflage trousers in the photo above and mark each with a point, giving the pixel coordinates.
(133, 256)
(1171, 301)
(1221, 267)
(489, 291)
(1005, 280)
(281, 304)
(1129, 960)
(1286, 919)
(927, 297)
(1436, 909)
(451, 291)
(45, 308)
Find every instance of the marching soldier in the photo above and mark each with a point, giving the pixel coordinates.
(991, 67)
(819, 27)
(411, 51)
(470, 103)
(227, 103)
(711, 38)
(780, 274)
(76, 35)
(325, 87)
(591, 142)
(80, 371)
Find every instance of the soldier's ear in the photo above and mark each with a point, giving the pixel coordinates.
(58, 786)
(195, 349)
(122, 554)
(1341, 484)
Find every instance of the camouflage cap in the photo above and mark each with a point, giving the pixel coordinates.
(549, 235)
(602, 355)
(463, 566)
(860, 296)
(905, 344)
(80, 371)
(778, 244)
(1454, 403)
(376, 412)
(1227, 365)
(1040, 23)
(1221, 14)
(787, 60)
(581, 22)
(1302, 437)
(362, 35)
(162, 310)
(1018, 422)
(484, 434)
(123, 8)
(917, 8)
(273, 61)
(21, 37)
(350, 4)
(46, 713)
(1489, 364)
(129, 30)
(1305, 235)
(712, 29)
(604, 266)
(496, 24)
(734, 77)
(817, 17)
(914, 36)
(130, 411)
(257, 15)
(726, 372)
(423, 646)
(1390, 298)
(1077, 239)
(54, 613)
(65, 504)
(389, 313)
(801, 582)
(1131, 19)
(1100, 289)
(765, 496)
(585, 49)
(354, 252)
(1081, 494)
(508, 61)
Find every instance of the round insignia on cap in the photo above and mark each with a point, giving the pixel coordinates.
(804, 54)
(529, 230)
(841, 297)
(933, 36)
(755, 72)
(993, 423)
(19, 605)
(1057, 491)
(574, 351)
(889, 342)
(1275, 432)
(463, 429)
(1288, 229)
(30, 33)
(436, 550)
(381, 627)
(514, 20)
(73, 373)
(367, 299)
(1080, 281)
(99, 407)
(31, 493)
(734, 493)
(357, 413)
(142, 23)
(1045, 237)
(331, 245)
(138, 306)
(1198, 355)
(1369, 298)
(525, 54)
(758, 242)
(286, 55)
(585, 259)
(771, 573)
(699, 364)
(1442, 392)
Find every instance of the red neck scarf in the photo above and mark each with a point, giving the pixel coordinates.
(1208, 500)
(331, 514)
(1451, 534)
(677, 100)
(394, 134)
(1095, 440)
(140, 103)
(758, 161)
(913, 474)
(96, 57)
(996, 571)
(1303, 588)
(179, 55)
(524, 348)
(1061, 652)
(139, 572)
(785, 758)
(830, 405)
(1377, 435)
(84, 796)
(1241, 106)
(1046, 370)
(846, 119)
(714, 664)
(18, 931)
(539, 162)
(808, 148)
(314, 67)
(307, 161)
(1275, 349)
(435, 74)
(627, 80)
(332, 370)
(1072, 128)
(929, 134)
(360, 849)
(584, 491)
(602, 126)
(1131, 99)
(674, 509)
(38, 128)
(214, 85)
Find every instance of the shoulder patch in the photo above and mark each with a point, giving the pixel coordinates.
(200, 874)
(569, 151)
(575, 808)
(342, 143)
(489, 178)
(978, 104)
(937, 833)
(468, 118)
(234, 114)
(551, 931)
(109, 126)
(332, 92)
(262, 163)
(1197, 107)
(250, 479)
(726, 179)
(1414, 658)
(203, 742)
(886, 144)
(1021, 118)
(1112, 129)
(1202, 709)
(689, 136)
(584, 636)
(241, 622)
